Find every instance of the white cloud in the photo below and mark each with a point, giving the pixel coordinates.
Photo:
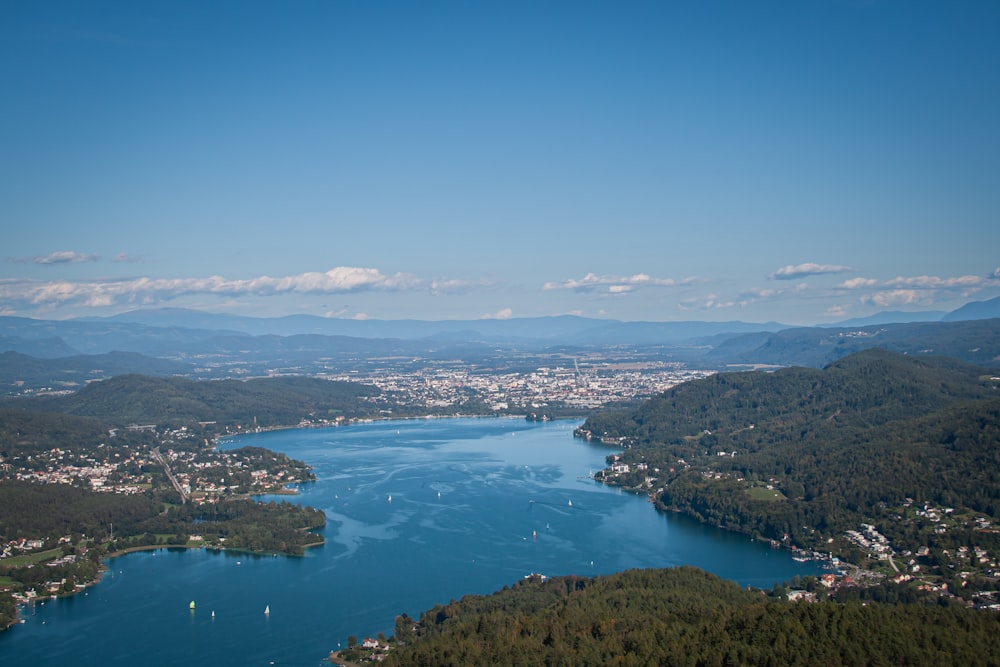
(502, 314)
(769, 294)
(899, 297)
(920, 290)
(145, 291)
(837, 311)
(64, 257)
(454, 286)
(593, 282)
(934, 282)
(707, 302)
(793, 271)
(858, 283)
(123, 257)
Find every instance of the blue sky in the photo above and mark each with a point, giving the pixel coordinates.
(804, 161)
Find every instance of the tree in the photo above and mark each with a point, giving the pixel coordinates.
(403, 628)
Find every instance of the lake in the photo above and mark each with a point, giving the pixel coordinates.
(418, 512)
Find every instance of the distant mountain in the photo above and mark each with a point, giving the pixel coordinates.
(290, 342)
(19, 371)
(661, 333)
(892, 317)
(974, 341)
(180, 333)
(38, 347)
(102, 336)
(562, 328)
(977, 310)
(540, 327)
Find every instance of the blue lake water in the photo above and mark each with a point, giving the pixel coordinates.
(418, 512)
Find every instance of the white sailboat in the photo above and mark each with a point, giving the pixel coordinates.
(267, 610)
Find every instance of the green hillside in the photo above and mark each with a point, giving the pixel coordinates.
(684, 616)
(128, 399)
(808, 454)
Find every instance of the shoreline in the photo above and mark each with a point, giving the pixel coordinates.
(106, 566)
(283, 491)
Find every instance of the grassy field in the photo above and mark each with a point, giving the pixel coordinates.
(31, 559)
(764, 493)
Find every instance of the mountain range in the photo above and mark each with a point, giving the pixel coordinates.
(198, 344)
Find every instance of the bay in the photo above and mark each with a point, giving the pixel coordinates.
(419, 512)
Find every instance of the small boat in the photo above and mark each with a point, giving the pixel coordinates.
(267, 610)
(213, 613)
(191, 606)
(569, 504)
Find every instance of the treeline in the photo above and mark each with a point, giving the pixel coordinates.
(845, 444)
(684, 616)
(50, 511)
(277, 401)
(26, 431)
(244, 524)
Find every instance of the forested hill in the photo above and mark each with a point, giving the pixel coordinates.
(685, 616)
(139, 399)
(864, 389)
(838, 446)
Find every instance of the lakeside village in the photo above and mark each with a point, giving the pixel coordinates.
(189, 471)
(873, 557)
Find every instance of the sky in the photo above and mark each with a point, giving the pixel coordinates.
(802, 162)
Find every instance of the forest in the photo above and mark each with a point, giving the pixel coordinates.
(857, 441)
(684, 616)
(266, 402)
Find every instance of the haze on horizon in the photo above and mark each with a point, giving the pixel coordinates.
(801, 162)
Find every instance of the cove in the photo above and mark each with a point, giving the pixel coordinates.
(418, 512)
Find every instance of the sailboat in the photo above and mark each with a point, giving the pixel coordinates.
(267, 610)
(191, 606)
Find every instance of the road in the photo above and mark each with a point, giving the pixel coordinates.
(170, 475)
